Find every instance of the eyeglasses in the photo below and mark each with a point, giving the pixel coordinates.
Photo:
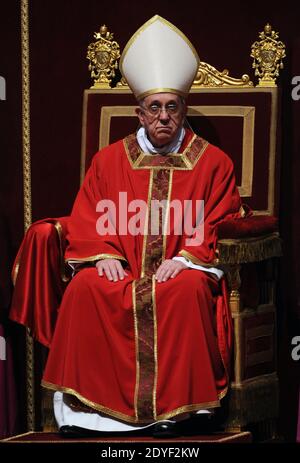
(155, 109)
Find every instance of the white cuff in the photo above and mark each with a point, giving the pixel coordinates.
(216, 271)
(75, 265)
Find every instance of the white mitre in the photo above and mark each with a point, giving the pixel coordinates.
(159, 58)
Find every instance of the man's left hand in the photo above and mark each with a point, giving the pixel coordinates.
(169, 269)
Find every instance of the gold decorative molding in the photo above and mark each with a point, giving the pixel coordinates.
(103, 56)
(233, 278)
(123, 83)
(234, 283)
(26, 114)
(268, 54)
(235, 301)
(106, 114)
(208, 76)
(247, 113)
(27, 194)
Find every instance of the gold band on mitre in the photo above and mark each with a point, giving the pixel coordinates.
(161, 90)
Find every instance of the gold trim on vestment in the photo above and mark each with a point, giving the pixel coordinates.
(189, 145)
(196, 407)
(171, 161)
(144, 294)
(146, 224)
(100, 408)
(160, 192)
(167, 214)
(189, 408)
(242, 211)
(96, 257)
(146, 360)
(16, 271)
(197, 261)
(136, 340)
(145, 160)
(128, 418)
(199, 155)
(131, 162)
(222, 394)
(155, 347)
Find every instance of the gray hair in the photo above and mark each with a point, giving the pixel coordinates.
(182, 100)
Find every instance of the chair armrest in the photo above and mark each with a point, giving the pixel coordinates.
(249, 239)
(40, 278)
(245, 250)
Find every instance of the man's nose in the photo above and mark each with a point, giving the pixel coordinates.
(164, 115)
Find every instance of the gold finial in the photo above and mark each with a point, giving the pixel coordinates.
(103, 30)
(268, 54)
(268, 28)
(103, 55)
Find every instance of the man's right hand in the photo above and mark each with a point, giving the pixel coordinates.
(111, 268)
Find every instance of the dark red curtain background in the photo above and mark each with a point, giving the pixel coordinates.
(11, 216)
(59, 34)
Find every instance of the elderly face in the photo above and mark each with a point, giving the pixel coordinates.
(162, 115)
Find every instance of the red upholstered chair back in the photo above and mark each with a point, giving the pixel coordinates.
(241, 121)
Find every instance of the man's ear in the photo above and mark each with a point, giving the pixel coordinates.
(185, 109)
(140, 115)
(184, 113)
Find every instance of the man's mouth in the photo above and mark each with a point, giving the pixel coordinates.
(164, 128)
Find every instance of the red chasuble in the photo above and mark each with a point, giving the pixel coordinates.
(136, 349)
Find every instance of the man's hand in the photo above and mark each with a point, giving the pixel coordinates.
(169, 269)
(111, 268)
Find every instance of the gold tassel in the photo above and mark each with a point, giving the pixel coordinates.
(237, 251)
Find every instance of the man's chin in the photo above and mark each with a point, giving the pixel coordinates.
(162, 139)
